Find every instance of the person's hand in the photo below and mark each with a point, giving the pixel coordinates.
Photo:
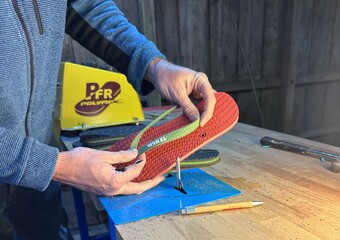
(91, 170)
(176, 83)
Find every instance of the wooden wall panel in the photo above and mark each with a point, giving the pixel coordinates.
(273, 38)
(289, 62)
(298, 111)
(321, 45)
(270, 102)
(250, 21)
(130, 10)
(147, 19)
(335, 51)
(332, 105)
(194, 34)
(68, 50)
(74, 52)
(330, 138)
(200, 34)
(223, 43)
(248, 112)
(314, 106)
(304, 36)
(167, 29)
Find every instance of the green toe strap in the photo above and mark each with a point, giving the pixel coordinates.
(171, 136)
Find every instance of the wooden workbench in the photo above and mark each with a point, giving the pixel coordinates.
(302, 196)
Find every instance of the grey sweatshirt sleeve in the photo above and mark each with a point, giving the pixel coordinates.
(102, 28)
(25, 161)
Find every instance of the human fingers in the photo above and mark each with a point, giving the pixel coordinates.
(123, 177)
(139, 160)
(115, 179)
(189, 108)
(138, 188)
(204, 88)
(118, 157)
(91, 170)
(130, 172)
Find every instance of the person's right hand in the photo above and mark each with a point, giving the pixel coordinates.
(91, 170)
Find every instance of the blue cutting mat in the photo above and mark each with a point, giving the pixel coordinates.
(164, 198)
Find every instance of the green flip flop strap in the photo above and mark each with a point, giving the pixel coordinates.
(171, 136)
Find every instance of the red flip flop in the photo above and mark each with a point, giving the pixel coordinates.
(162, 147)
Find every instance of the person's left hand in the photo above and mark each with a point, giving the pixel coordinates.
(176, 83)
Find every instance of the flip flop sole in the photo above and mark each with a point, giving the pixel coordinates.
(107, 135)
(162, 158)
(201, 158)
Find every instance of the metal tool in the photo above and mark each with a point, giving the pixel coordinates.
(292, 147)
(179, 185)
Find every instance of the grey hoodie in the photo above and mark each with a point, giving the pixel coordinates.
(31, 41)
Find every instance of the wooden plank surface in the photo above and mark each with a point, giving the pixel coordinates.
(335, 57)
(250, 21)
(273, 38)
(304, 37)
(302, 196)
(322, 36)
(249, 113)
(194, 34)
(223, 42)
(167, 26)
(270, 102)
(290, 60)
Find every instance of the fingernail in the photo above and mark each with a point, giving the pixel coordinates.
(139, 161)
(132, 150)
(202, 123)
(194, 117)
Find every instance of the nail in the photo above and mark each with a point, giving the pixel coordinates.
(139, 161)
(194, 116)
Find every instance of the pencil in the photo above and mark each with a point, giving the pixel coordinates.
(220, 207)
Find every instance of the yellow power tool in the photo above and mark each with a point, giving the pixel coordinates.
(90, 97)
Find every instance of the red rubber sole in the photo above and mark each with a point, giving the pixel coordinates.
(162, 159)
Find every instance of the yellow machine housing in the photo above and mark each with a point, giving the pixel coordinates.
(91, 97)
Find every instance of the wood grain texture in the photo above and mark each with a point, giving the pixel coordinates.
(167, 25)
(273, 38)
(250, 20)
(130, 10)
(270, 102)
(314, 106)
(323, 27)
(302, 196)
(335, 51)
(304, 36)
(147, 22)
(194, 34)
(200, 34)
(299, 103)
(223, 42)
(249, 113)
(290, 59)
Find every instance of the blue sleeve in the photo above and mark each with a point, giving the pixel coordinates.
(102, 28)
(26, 162)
